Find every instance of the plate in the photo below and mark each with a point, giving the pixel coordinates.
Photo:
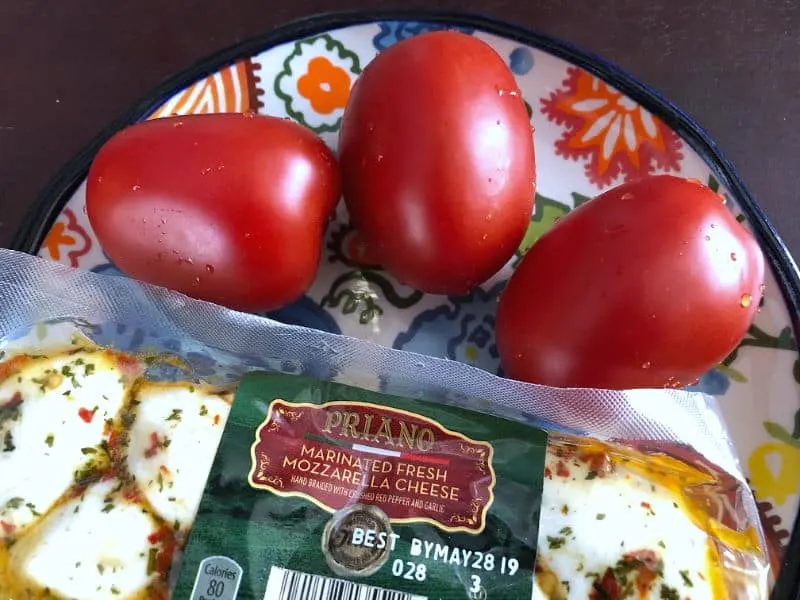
(595, 127)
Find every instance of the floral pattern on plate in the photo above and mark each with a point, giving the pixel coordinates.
(315, 82)
(616, 135)
(588, 137)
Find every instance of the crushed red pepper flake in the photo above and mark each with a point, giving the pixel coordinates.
(155, 444)
(86, 415)
(561, 469)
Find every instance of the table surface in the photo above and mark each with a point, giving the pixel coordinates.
(69, 68)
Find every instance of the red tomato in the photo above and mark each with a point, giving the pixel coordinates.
(227, 208)
(436, 150)
(650, 284)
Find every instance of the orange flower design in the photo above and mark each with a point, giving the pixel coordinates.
(67, 236)
(613, 131)
(325, 85)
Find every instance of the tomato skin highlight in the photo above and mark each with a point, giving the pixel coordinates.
(648, 285)
(227, 208)
(437, 158)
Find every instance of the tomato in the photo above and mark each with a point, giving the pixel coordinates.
(225, 207)
(650, 284)
(436, 152)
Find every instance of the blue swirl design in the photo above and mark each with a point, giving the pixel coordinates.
(713, 383)
(520, 61)
(462, 330)
(394, 31)
(108, 268)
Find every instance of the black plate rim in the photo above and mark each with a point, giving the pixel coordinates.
(60, 188)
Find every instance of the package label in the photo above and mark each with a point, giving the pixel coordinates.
(321, 491)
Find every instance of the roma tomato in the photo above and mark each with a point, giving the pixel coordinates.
(650, 284)
(227, 208)
(436, 152)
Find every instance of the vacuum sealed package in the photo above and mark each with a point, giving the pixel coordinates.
(154, 446)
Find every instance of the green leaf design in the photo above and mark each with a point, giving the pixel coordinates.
(786, 338)
(713, 183)
(350, 304)
(579, 199)
(735, 375)
(335, 47)
(546, 212)
(796, 432)
(758, 338)
(779, 433)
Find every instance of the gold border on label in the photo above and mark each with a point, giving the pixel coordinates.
(275, 483)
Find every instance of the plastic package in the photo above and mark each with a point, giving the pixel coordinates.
(634, 494)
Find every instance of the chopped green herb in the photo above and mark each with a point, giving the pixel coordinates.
(600, 516)
(626, 565)
(88, 450)
(89, 369)
(176, 525)
(555, 542)
(15, 502)
(203, 410)
(175, 415)
(68, 393)
(108, 507)
(591, 475)
(115, 590)
(191, 389)
(566, 531)
(160, 481)
(669, 593)
(686, 579)
(662, 544)
(30, 506)
(8, 442)
(100, 568)
(151, 560)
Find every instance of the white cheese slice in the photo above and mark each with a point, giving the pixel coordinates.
(172, 445)
(53, 415)
(590, 523)
(94, 547)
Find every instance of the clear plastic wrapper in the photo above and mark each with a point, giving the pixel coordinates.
(640, 493)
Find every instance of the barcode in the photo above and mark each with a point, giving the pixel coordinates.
(285, 584)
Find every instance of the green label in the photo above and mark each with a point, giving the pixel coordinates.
(321, 491)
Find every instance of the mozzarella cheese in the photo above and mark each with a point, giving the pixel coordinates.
(93, 547)
(53, 416)
(608, 529)
(618, 530)
(172, 445)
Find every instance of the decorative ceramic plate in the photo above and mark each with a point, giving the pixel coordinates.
(595, 127)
